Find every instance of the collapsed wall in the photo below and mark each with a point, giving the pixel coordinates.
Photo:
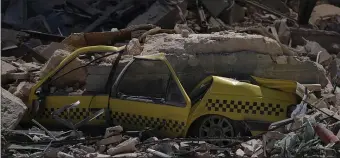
(235, 55)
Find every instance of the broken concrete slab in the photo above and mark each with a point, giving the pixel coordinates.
(12, 110)
(225, 54)
(219, 42)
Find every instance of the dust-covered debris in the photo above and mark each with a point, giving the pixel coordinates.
(12, 110)
(235, 39)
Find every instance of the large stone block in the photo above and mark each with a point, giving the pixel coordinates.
(220, 42)
(231, 55)
(12, 110)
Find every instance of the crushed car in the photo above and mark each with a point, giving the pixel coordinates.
(147, 93)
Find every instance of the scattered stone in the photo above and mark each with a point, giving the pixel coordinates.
(185, 33)
(19, 76)
(134, 47)
(12, 110)
(111, 140)
(23, 90)
(318, 53)
(64, 155)
(239, 152)
(30, 67)
(113, 131)
(258, 154)
(101, 148)
(6, 68)
(124, 147)
(88, 149)
(251, 146)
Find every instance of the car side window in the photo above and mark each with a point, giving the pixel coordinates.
(149, 81)
(173, 94)
(144, 79)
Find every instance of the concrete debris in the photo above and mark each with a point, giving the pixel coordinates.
(240, 152)
(317, 53)
(111, 140)
(134, 47)
(6, 68)
(23, 90)
(326, 17)
(229, 38)
(251, 146)
(124, 147)
(111, 131)
(213, 43)
(12, 110)
(58, 56)
(49, 50)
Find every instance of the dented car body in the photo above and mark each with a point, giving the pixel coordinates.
(141, 97)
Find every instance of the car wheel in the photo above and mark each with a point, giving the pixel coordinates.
(216, 126)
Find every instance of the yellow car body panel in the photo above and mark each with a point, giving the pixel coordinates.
(226, 97)
(242, 101)
(88, 105)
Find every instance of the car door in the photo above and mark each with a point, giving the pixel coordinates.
(92, 97)
(148, 93)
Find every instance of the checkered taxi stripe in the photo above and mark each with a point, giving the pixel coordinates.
(244, 107)
(74, 113)
(147, 121)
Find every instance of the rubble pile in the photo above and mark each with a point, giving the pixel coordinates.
(274, 39)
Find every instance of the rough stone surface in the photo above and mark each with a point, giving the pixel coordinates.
(57, 57)
(30, 66)
(124, 147)
(5, 69)
(210, 43)
(12, 110)
(113, 131)
(23, 90)
(110, 140)
(314, 48)
(240, 152)
(134, 47)
(232, 55)
(77, 76)
(322, 11)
